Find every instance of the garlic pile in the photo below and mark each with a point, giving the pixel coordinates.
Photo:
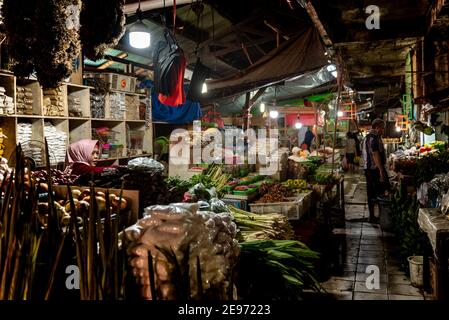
(208, 235)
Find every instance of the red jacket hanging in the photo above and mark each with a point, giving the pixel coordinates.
(177, 97)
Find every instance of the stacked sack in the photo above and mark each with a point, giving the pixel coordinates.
(32, 149)
(132, 107)
(54, 102)
(75, 106)
(206, 240)
(24, 100)
(118, 106)
(57, 141)
(97, 105)
(6, 102)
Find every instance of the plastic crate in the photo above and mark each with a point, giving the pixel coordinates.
(293, 209)
(244, 192)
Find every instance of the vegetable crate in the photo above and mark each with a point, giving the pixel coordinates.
(293, 209)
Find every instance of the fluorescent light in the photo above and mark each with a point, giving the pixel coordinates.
(298, 125)
(262, 107)
(334, 74)
(204, 88)
(139, 37)
(340, 113)
(274, 114)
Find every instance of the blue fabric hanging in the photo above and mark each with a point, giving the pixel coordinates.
(182, 114)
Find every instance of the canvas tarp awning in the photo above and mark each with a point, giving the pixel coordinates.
(299, 55)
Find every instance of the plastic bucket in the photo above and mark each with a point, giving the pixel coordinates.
(416, 270)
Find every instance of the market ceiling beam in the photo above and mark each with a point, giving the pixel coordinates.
(131, 6)
(128, 62)
(107, 64)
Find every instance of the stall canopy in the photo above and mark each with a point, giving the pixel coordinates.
(293, 58)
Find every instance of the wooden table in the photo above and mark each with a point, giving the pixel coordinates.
(436, 227)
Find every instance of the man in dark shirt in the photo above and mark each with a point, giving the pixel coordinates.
(308, 138)
(374, 164)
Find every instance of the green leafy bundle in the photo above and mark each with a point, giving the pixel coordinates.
(276, 270)
(261, 226)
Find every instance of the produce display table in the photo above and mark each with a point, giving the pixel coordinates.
(436, 227)
(294, 209)
(240, 202)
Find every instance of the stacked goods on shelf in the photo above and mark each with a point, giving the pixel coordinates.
(117, 106)
(132, 107)
(97, 102)
(24, 100)
(6, 102)
(54, 102)
(2, 142)
(57, 143)
(30, 147)
(75, 106)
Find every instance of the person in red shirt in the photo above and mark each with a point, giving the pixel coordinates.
(81, 158)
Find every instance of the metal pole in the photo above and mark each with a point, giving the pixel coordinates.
(337, 107)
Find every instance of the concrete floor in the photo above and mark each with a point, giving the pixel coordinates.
(368, 245)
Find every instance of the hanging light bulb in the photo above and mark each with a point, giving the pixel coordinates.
(398, 129)
(274, 114)
(262, 107)
(139, 35)
(204, 88)
(298, 125)
(340, 113)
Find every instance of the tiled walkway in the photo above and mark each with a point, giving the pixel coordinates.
(368, 245)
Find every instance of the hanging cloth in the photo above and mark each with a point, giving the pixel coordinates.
(169, 66)
(177, 97)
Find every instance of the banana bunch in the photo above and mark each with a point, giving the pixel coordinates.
(296, 185)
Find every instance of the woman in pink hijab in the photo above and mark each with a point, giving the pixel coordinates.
(81, 156)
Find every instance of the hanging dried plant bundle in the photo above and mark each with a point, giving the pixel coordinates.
(18, 17)
(57, 31)
(102, 26)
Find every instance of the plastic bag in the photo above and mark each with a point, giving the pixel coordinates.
(445, 204)
(145, 164)
(218, 206)
(422, 194)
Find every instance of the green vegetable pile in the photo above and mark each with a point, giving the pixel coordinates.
(405, 209)
(213, 178)
(261, 226)
(325, 179)
(430, 165)
(176, 187)
(276, 270)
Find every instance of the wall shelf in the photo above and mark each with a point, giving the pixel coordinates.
(76, 127)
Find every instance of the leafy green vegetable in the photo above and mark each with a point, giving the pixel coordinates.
(276, 270)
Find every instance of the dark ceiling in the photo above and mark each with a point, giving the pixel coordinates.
(232, 35)
(375, 59)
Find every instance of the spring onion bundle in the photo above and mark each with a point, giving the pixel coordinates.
(261, 226)
(276, 270)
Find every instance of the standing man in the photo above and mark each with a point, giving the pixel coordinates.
(374, 164)
(308, 138)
